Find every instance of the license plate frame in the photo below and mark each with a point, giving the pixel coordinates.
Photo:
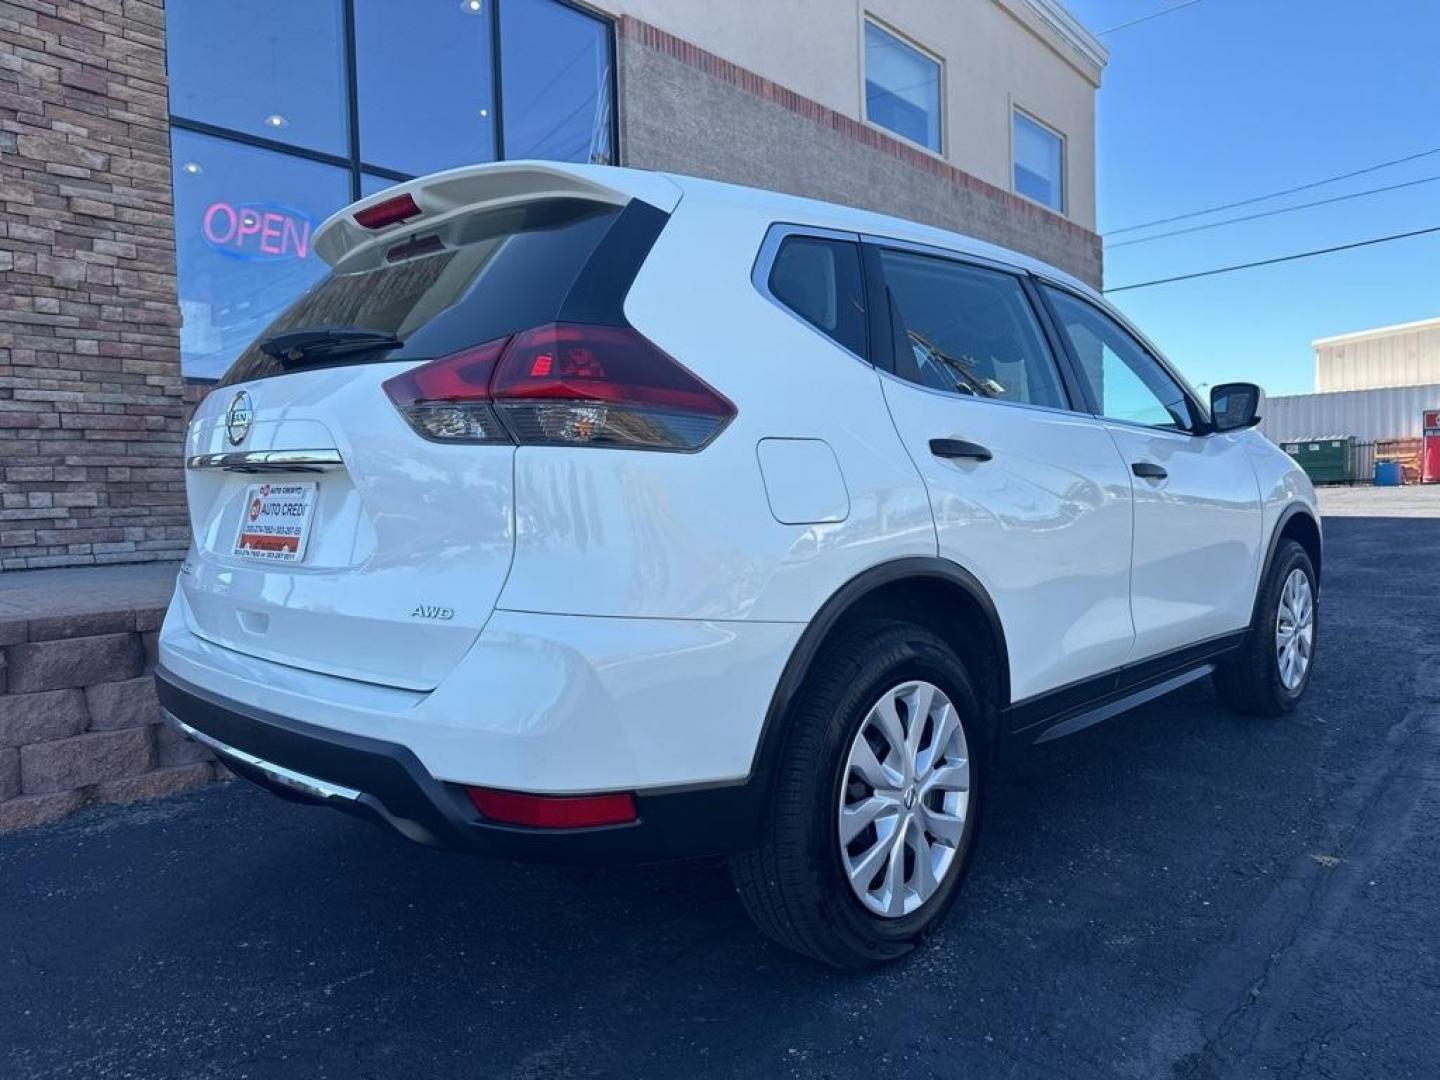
(276, 520)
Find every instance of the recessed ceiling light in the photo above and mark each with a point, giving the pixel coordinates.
(484, 114)
(192, 167)
(470, 7)
(275, 120)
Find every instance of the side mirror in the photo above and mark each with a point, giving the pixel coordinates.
(1235, 406)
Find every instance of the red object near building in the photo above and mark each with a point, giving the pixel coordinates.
(1430, 448)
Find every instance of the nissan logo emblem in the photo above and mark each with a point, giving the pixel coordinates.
(238, 417)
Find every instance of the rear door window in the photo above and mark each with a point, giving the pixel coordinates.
(473, 280)
(968, 330)
(820, 280)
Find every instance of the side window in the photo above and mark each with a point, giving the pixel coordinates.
(968, 330)
(820, 280)
(1128, 383)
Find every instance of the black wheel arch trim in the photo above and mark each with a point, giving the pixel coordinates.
(841, 602)
(1295, 509)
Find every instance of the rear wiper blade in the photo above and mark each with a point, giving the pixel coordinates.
(298, 348)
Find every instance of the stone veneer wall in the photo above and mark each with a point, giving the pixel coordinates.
(79, 720)
(91, 400)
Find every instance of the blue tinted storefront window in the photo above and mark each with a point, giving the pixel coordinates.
(556, 82)
(245, 220)
(272, 68)
(267, 144)
(425, 84)
(370, 184)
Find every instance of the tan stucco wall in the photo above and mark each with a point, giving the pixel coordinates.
(996, 53)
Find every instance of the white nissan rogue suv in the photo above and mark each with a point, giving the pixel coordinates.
(583, 512)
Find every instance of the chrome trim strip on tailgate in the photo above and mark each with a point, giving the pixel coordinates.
(307, 785)
(255, 461)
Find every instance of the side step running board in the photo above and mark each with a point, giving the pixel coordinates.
(1106, 710)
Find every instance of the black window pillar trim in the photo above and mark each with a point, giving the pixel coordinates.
(1076, 388)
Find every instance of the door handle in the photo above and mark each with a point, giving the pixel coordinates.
(1148, 470)
(959, 448)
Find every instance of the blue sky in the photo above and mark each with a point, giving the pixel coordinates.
(1227, 99)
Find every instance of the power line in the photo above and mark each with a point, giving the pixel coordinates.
(1272, 262)
(1276, 211)
(1147, 18)
(1275, 194)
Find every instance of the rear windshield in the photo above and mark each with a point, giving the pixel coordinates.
(477, 279)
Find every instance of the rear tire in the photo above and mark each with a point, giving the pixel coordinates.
(796, 884)
(1258, 680)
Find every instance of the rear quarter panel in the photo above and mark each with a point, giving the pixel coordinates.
(656, 535)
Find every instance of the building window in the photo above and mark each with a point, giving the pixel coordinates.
(273, 69)
(556, 83)
(419, 115)
(1039, 162)
(282, 113)
(902, 88)
(244, 222)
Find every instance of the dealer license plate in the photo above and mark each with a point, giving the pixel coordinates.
(275, 524)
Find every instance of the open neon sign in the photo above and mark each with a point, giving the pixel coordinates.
(257, 232)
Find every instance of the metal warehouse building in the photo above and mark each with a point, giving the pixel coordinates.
(1373, 385)
(1403, 355)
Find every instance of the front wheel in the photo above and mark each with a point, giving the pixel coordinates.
(876, 803)
(1269, 673)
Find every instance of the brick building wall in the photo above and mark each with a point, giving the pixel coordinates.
(91, 399)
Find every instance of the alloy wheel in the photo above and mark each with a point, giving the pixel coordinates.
(905, 799)
(1295, 630)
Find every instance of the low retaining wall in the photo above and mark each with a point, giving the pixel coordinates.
(79, 720)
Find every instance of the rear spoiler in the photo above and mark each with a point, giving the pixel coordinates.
(441, 196)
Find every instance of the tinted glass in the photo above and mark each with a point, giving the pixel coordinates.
(968, 330)
(902, 88)
(556, 77)
(371, 184)
(1124, 378)
(820, 281)
(1039, 163)
(274, 68)
(244, 221)
(499, 272)
(426, 93)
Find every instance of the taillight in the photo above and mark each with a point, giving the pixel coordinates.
(554, 811)
(563, 385)
(448, 400)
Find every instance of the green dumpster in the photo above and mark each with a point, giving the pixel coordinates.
(1328, 460)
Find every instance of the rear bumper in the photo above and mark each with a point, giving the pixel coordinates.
(386, 783)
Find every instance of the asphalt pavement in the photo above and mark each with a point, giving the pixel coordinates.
(1178, 893)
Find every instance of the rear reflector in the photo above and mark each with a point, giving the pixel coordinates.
(400, 208)
(554, 811)
(563, 385)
